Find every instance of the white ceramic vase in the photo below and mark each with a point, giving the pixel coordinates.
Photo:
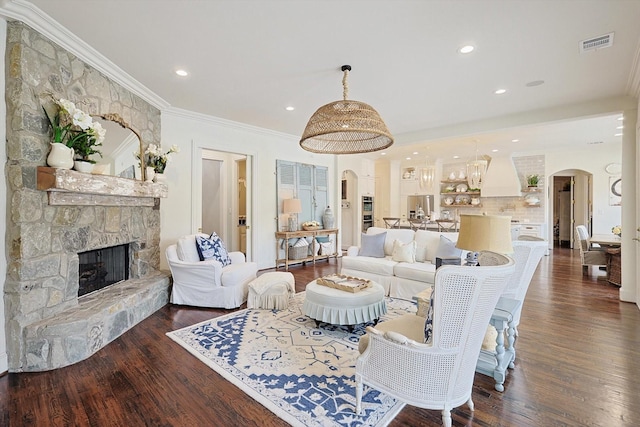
(60, 156)
(149, 174)
(327, 218)
(159, 177)
(82, 166)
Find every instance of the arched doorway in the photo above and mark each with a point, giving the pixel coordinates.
(571, 204)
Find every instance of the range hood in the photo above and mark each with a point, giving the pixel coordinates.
(501, 179)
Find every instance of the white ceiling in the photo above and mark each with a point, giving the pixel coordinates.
(250, 59)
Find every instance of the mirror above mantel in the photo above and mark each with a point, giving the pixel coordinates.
(118, 148)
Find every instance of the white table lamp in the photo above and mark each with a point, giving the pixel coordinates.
(292, 207)
(484, 233)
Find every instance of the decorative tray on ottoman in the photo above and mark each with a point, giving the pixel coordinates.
(344, 282)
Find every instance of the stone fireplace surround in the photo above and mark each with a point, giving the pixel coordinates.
(53, 214)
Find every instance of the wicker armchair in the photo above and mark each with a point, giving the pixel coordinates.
(438, 375)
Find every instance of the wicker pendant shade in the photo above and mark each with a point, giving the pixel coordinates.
(345, 127)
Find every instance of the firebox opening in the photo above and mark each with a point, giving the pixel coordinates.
(102, 267)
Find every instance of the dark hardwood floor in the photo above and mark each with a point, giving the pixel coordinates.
(578, 364)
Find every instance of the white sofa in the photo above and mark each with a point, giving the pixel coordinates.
(399, 279)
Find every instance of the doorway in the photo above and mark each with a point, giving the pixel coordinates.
(571, 205)
(223, 197)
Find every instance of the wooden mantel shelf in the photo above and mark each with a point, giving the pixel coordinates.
(67, 186)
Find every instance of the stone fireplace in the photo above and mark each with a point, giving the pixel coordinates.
(54, 214)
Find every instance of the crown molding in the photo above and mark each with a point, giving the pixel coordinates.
(212, 120)
(633, 85)
(33, 16)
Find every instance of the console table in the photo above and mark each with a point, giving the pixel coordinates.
(282, 239)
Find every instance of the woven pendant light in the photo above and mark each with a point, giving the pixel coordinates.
(345, 127)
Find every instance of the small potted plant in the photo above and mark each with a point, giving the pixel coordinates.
(532, 180)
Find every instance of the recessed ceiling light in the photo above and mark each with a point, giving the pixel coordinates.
(456, 157)
(535, 83)
(182, 73)
(621, 118)
(415, 153)
(495, 150)
(466, 49)
(500, 91)
(618, 134)
(408, 158)
(515, 140)
(289, 108)
(620, 127)
(383, 153)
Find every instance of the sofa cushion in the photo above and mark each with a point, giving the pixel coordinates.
(186, 249)
(393, 234)
(447, 249)
(404, 252)
(372, 245)
(427, 243)
(379, 266)
(418, 271)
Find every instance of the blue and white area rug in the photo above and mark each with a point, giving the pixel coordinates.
(303, 374)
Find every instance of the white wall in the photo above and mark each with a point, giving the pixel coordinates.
(193, 131)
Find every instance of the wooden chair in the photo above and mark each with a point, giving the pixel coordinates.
(438, 375)
(391, 222)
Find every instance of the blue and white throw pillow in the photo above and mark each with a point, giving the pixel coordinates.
(428, 324)
(212, 247)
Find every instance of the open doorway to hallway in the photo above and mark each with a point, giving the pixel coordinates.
(224, 204)
(572, 195)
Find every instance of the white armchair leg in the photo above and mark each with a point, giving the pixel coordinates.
(471, 405)
(446, 418)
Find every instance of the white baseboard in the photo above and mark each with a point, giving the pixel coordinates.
(4, 363)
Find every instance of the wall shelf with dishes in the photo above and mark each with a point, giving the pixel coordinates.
(532, 200)
(456, 192)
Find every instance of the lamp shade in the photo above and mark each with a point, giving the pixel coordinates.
(291, 206)
(345, 127)
(485, 233)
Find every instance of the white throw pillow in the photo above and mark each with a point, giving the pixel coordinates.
(404, 252)
(447, 249)
(372, 245)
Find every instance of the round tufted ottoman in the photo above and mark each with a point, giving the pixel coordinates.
(337, 307)
(271, 290)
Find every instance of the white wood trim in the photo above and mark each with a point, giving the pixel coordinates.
(33, 16)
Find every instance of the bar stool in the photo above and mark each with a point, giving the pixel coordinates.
(447, 224)
(417, 224)
(391, 222)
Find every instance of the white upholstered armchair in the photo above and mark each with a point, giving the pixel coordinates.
(207, 283)
(589, 254)
(439, 375)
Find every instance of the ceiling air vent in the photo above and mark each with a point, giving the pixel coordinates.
(599, 42)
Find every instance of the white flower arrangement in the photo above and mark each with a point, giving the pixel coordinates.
(311, 224)
(157, 159)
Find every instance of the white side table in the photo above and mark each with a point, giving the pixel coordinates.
(495, 364)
